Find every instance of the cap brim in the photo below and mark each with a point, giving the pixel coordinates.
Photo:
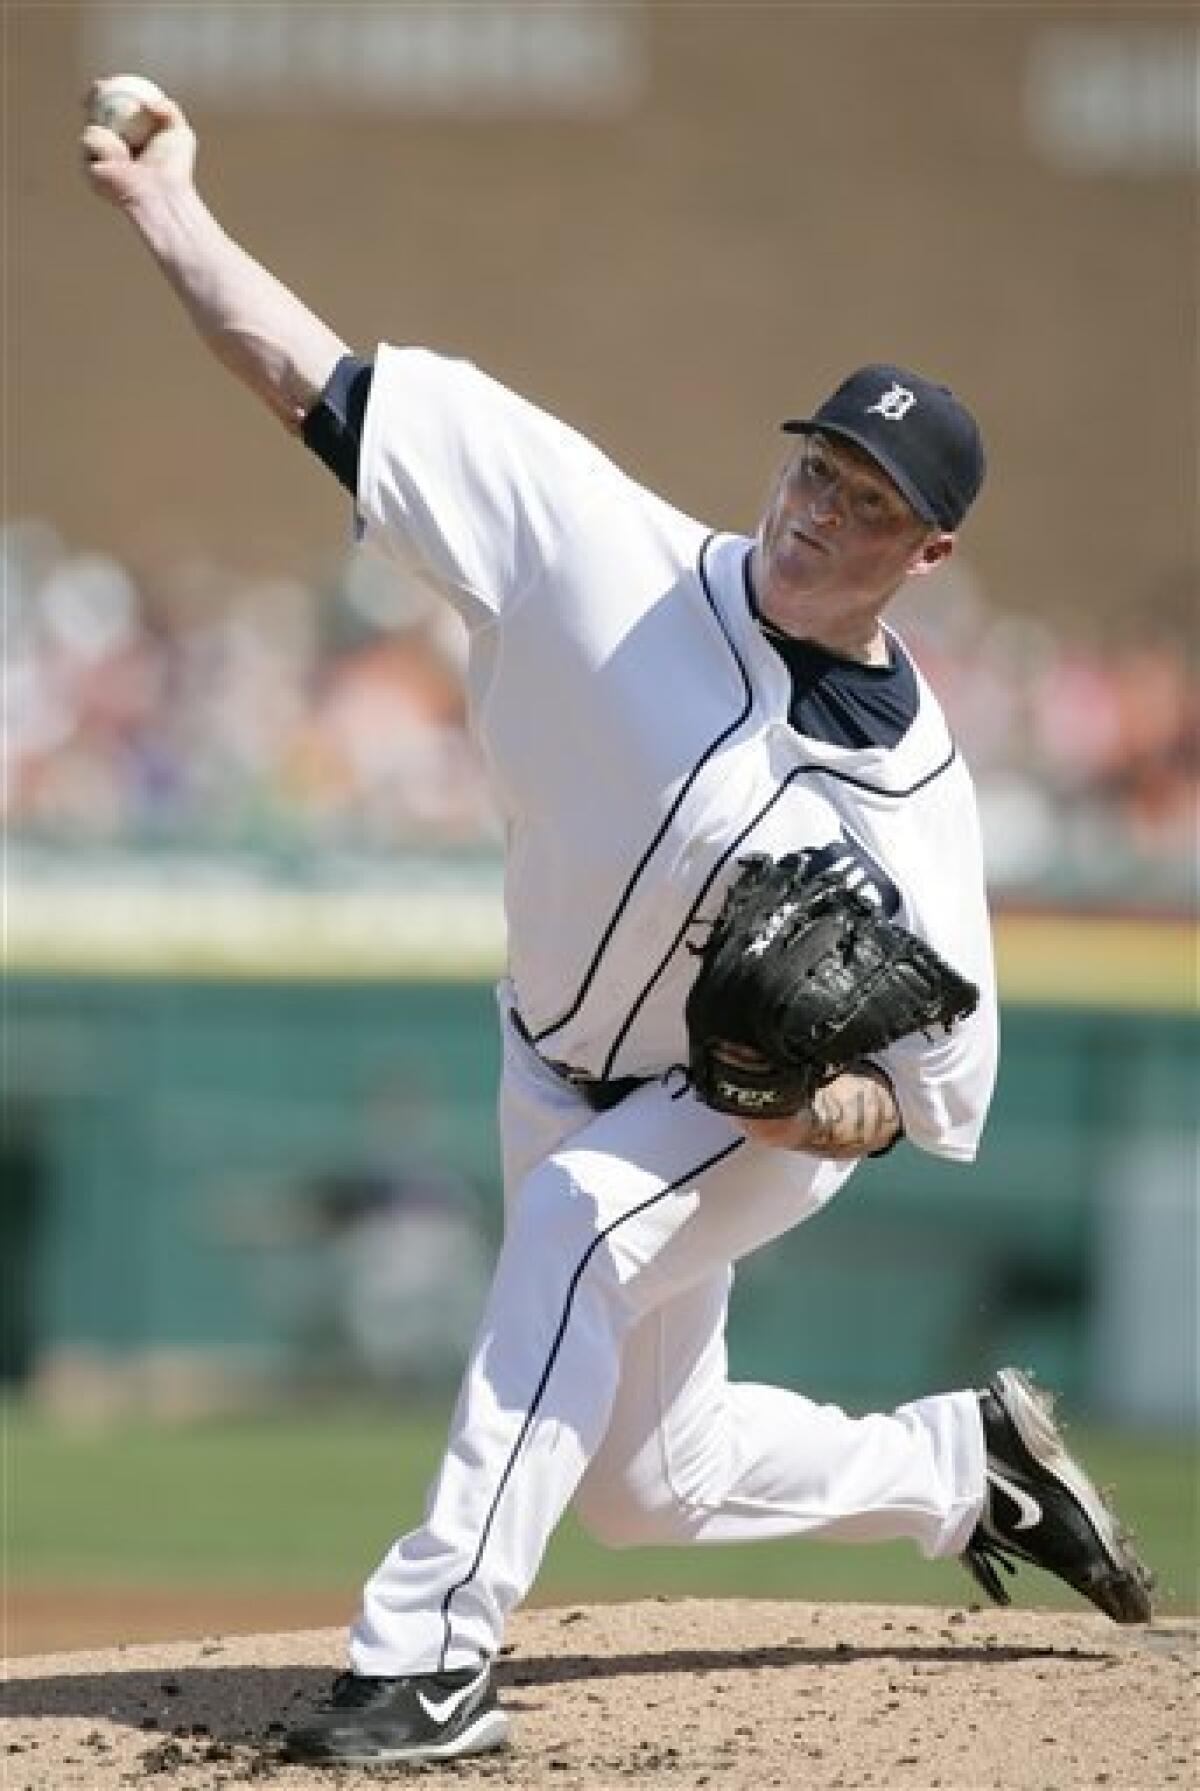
(815, 425)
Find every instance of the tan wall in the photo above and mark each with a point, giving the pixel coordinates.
(797, 190)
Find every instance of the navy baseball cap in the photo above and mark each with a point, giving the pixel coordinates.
(918, 431)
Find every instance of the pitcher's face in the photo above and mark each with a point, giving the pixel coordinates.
(838, 532)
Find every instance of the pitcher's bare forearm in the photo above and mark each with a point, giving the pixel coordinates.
(255, 326)
(853, 1115)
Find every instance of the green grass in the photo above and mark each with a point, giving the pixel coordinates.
(314, 1501)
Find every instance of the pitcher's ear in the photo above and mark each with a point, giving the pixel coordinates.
(932, 552)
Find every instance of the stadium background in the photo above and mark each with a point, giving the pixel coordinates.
(251, 878)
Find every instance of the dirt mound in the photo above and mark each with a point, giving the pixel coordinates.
(736, 1696)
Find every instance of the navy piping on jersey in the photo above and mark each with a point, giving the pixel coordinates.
(690, 918)
(860, 783)
(552, 1356)
(684, 790)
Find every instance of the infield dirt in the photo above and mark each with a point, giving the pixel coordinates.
(733, 1696)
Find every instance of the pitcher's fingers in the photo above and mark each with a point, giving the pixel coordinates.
(166, 110)
(97, 144)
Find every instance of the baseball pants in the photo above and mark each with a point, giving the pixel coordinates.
(599, 1375)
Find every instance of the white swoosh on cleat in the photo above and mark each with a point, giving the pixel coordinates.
(1028, 1507)
(442, 1712)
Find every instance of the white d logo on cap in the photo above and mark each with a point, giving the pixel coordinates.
(896, 402)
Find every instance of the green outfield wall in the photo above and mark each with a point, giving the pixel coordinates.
(214, 1184)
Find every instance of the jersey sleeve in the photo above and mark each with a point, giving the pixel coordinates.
(471, 487)
(944, 1083)
(943, 1089)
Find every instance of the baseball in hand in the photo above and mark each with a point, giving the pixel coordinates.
(119, 103)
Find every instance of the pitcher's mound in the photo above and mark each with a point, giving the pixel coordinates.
(736, 1696)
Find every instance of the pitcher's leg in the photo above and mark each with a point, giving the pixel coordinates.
(643, 1204)
(691, 1457)
(582, 1238)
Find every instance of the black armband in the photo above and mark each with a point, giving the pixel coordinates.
(333, 427)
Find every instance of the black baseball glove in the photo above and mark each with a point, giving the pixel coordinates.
(800, 977)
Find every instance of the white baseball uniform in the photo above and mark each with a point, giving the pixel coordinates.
(635, 722)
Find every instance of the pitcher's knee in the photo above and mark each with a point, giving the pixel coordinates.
(625, 1514)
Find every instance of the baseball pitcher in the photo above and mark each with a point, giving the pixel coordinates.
(748, 945)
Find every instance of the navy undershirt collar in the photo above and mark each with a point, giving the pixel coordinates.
(842, 701)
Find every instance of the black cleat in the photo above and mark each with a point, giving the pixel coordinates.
(1041, 1507)
(375, 1722)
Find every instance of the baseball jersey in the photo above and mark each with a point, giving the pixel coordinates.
(640, 735)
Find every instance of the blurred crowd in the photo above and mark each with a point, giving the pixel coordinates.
(1084, 741)
(188, 706)
(197, 708)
